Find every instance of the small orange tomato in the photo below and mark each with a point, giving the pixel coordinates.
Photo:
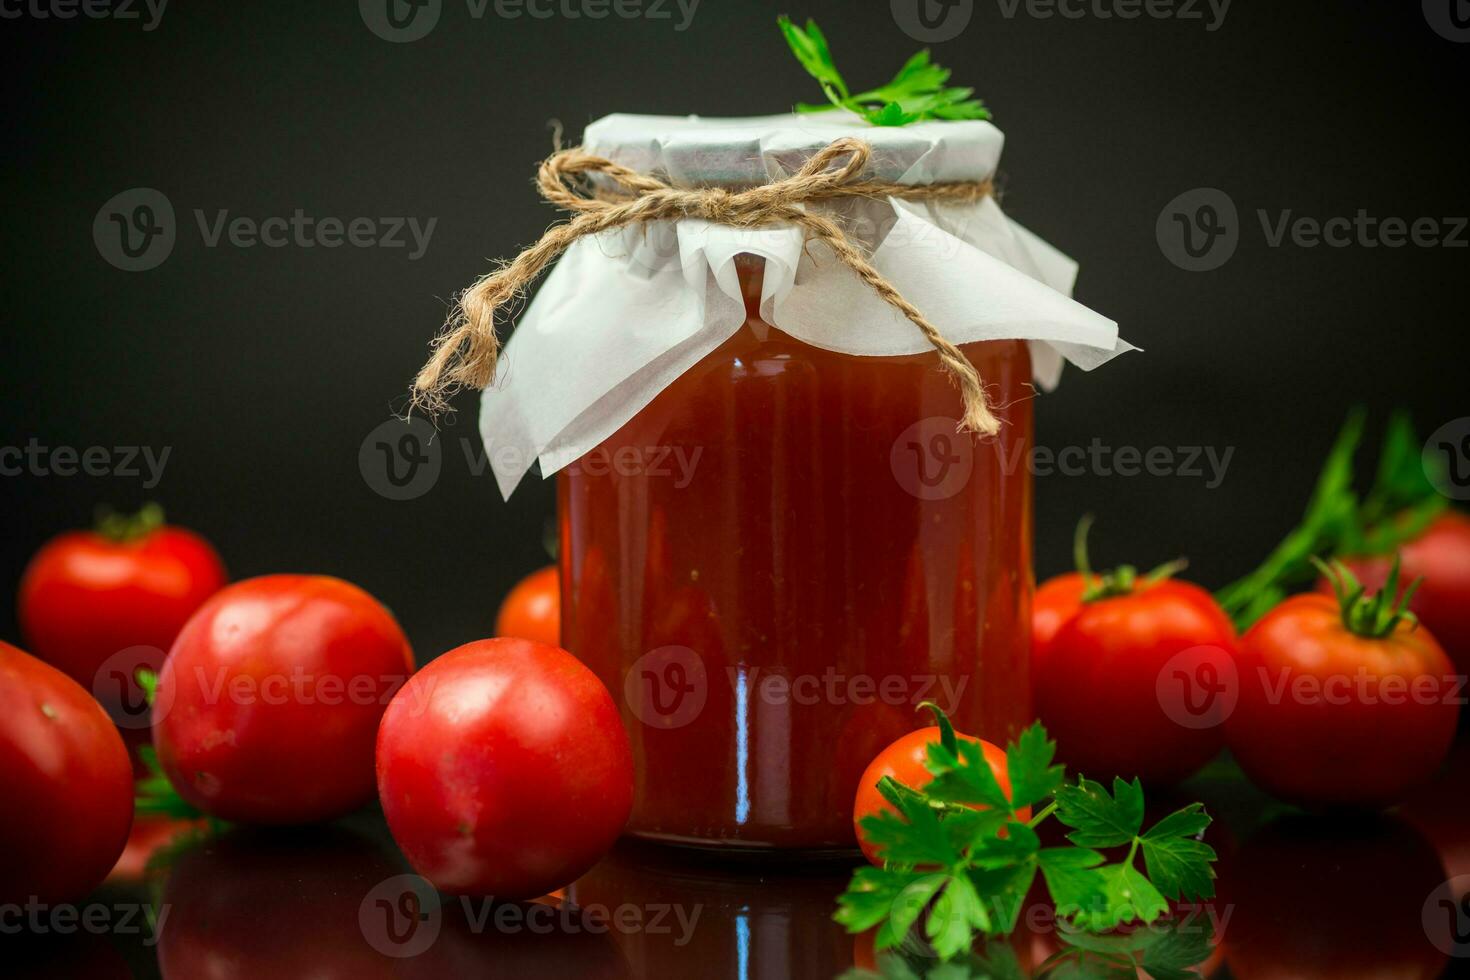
(904, 761)
(532, 611)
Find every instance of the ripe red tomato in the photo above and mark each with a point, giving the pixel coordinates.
(1056, 601)
(532, 611)
(110, 601)
(269, 702)
(1130, 684)
(68, 784)
(1330, 717)
(904, 761)
(1441, 556)
(504, 769)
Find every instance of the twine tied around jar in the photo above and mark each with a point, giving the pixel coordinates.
(465, 351)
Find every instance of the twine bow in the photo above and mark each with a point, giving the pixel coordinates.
(465, 352)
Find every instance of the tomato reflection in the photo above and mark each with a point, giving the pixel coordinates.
(678, 914)
(1333, 898)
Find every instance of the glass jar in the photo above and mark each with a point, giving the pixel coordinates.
(779, 557)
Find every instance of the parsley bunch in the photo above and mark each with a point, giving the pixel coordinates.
(965, 872)
(918, 91)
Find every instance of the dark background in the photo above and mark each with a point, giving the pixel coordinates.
(264, 369)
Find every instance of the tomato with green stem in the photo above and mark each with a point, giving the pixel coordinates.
(1440, 556)
(100, 604)
(903, 762)
(1345, 700)
(1129, 681)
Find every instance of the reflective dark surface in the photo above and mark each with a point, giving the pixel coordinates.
(1300, 896)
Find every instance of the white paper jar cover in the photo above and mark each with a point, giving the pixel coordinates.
(623, 314)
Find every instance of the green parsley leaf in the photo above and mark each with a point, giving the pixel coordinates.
(1127, 896)
(1100, 820)
(1177, 861)
(1029, 765)
(919, 91)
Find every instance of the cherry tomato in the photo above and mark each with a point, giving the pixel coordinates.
(504, 769)
(101, 604)
(1330, 716)
(1057, 600)
(532, 611)
(68, 784)
(1119, 686)
(1441, 556)
(904, 761)
(269, 702)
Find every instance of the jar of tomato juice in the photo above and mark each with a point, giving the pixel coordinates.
(784, 554)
